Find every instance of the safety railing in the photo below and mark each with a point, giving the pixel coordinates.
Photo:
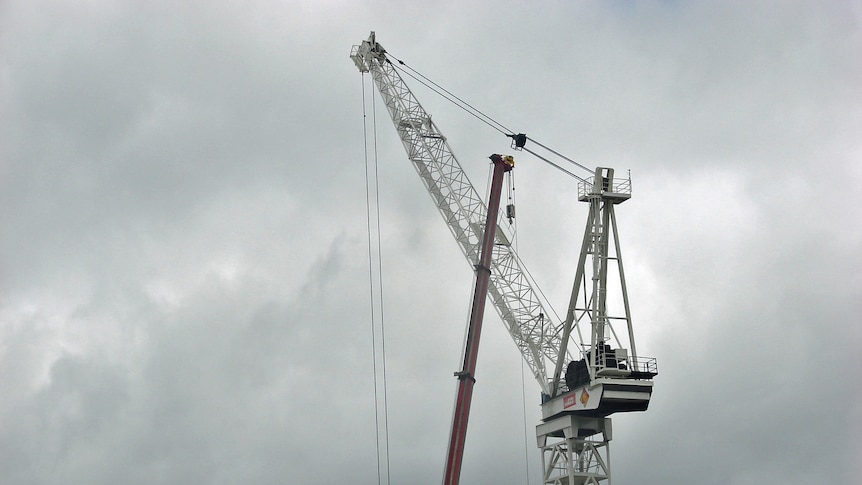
(644, 364)
(619, 186)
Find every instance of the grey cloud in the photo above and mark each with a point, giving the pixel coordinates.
(183, 260)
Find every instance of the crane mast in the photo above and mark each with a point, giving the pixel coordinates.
(583, 381)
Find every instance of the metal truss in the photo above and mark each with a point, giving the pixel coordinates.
(575, 451)
(524, 312)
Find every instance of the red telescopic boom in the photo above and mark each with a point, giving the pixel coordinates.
(465, 376)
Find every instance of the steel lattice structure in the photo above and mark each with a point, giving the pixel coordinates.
(526, 315)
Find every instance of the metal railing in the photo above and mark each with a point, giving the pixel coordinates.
(619, 186)
(644, 364)
(617, 364)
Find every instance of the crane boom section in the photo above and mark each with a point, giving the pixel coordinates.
(524, 312)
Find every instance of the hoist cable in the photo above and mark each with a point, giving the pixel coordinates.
(526, 434)
(368, 210)
(510, 213)
(371, 280)
(513, 222)
(380, 292)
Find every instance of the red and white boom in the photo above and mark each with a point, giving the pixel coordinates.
(466, 379)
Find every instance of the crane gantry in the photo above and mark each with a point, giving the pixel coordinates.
(583, 380)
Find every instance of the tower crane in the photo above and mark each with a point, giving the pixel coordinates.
(586, 364)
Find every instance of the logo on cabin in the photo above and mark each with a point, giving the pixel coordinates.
(572, 399)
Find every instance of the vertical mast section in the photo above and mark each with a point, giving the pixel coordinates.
(525, 314)
(602, 193)
(466, 379)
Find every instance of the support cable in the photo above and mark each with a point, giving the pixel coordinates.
(560, 155)
(449, 96)
(553, 164)
(481, 116)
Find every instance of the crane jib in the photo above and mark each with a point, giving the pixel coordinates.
(512, 289)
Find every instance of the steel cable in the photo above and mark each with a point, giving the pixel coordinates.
(481, 116)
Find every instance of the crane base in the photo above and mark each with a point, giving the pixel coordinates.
(575, 450)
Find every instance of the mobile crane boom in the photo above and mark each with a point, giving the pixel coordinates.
(466, 379)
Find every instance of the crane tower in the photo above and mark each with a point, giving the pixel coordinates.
(586, 364)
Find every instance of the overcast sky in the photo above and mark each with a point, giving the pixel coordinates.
(184, 291)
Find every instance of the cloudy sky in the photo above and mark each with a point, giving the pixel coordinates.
(184, 289)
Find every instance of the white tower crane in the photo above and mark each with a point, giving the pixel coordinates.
(583, 379)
